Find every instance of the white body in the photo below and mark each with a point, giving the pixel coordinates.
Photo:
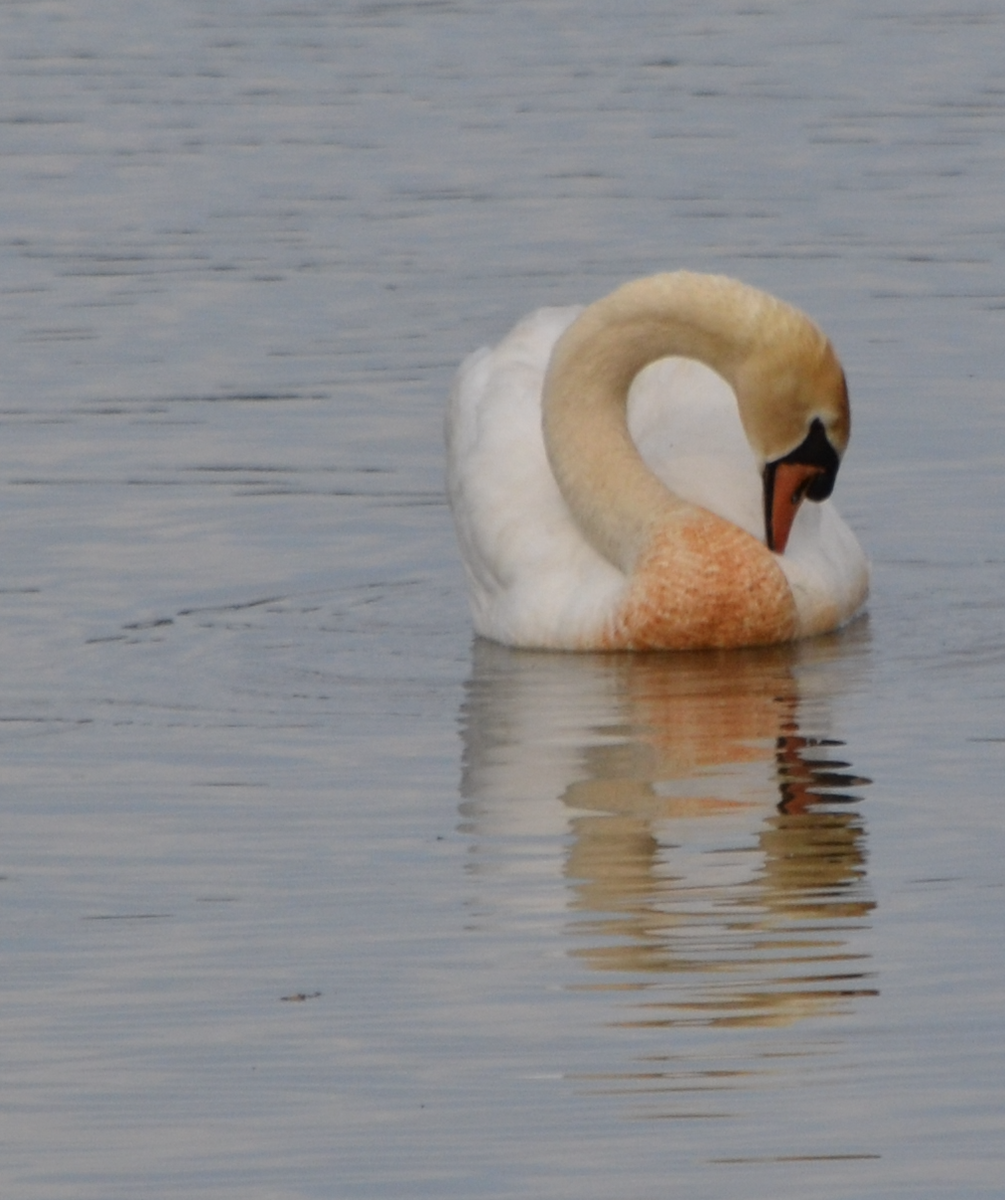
(533, 578)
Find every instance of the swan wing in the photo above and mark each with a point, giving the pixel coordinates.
(533, 579)
(684, 419)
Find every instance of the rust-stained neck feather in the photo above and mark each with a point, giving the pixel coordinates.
(703, 583)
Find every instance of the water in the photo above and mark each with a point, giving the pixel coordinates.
(304, 893)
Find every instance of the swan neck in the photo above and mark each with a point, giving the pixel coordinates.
(616, 500)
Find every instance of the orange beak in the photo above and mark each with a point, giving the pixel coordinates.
(785, 489)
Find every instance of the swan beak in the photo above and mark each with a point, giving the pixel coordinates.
(785, 487)
(808, 472)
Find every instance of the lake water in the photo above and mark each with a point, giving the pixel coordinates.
(304, 892)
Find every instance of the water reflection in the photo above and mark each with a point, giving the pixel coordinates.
(714, 859)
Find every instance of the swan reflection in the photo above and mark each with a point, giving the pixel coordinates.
(714, 856)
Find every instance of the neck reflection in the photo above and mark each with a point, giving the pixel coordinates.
(716, 864)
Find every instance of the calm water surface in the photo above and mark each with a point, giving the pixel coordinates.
(306, 894)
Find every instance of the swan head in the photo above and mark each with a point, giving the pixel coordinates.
(795, 412)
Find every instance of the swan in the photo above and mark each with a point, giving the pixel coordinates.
(631, 475)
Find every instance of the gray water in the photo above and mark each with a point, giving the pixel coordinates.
(304, 892)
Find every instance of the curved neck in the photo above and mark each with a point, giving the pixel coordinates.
(616, 499)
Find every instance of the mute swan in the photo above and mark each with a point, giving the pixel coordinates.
(603, 503)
